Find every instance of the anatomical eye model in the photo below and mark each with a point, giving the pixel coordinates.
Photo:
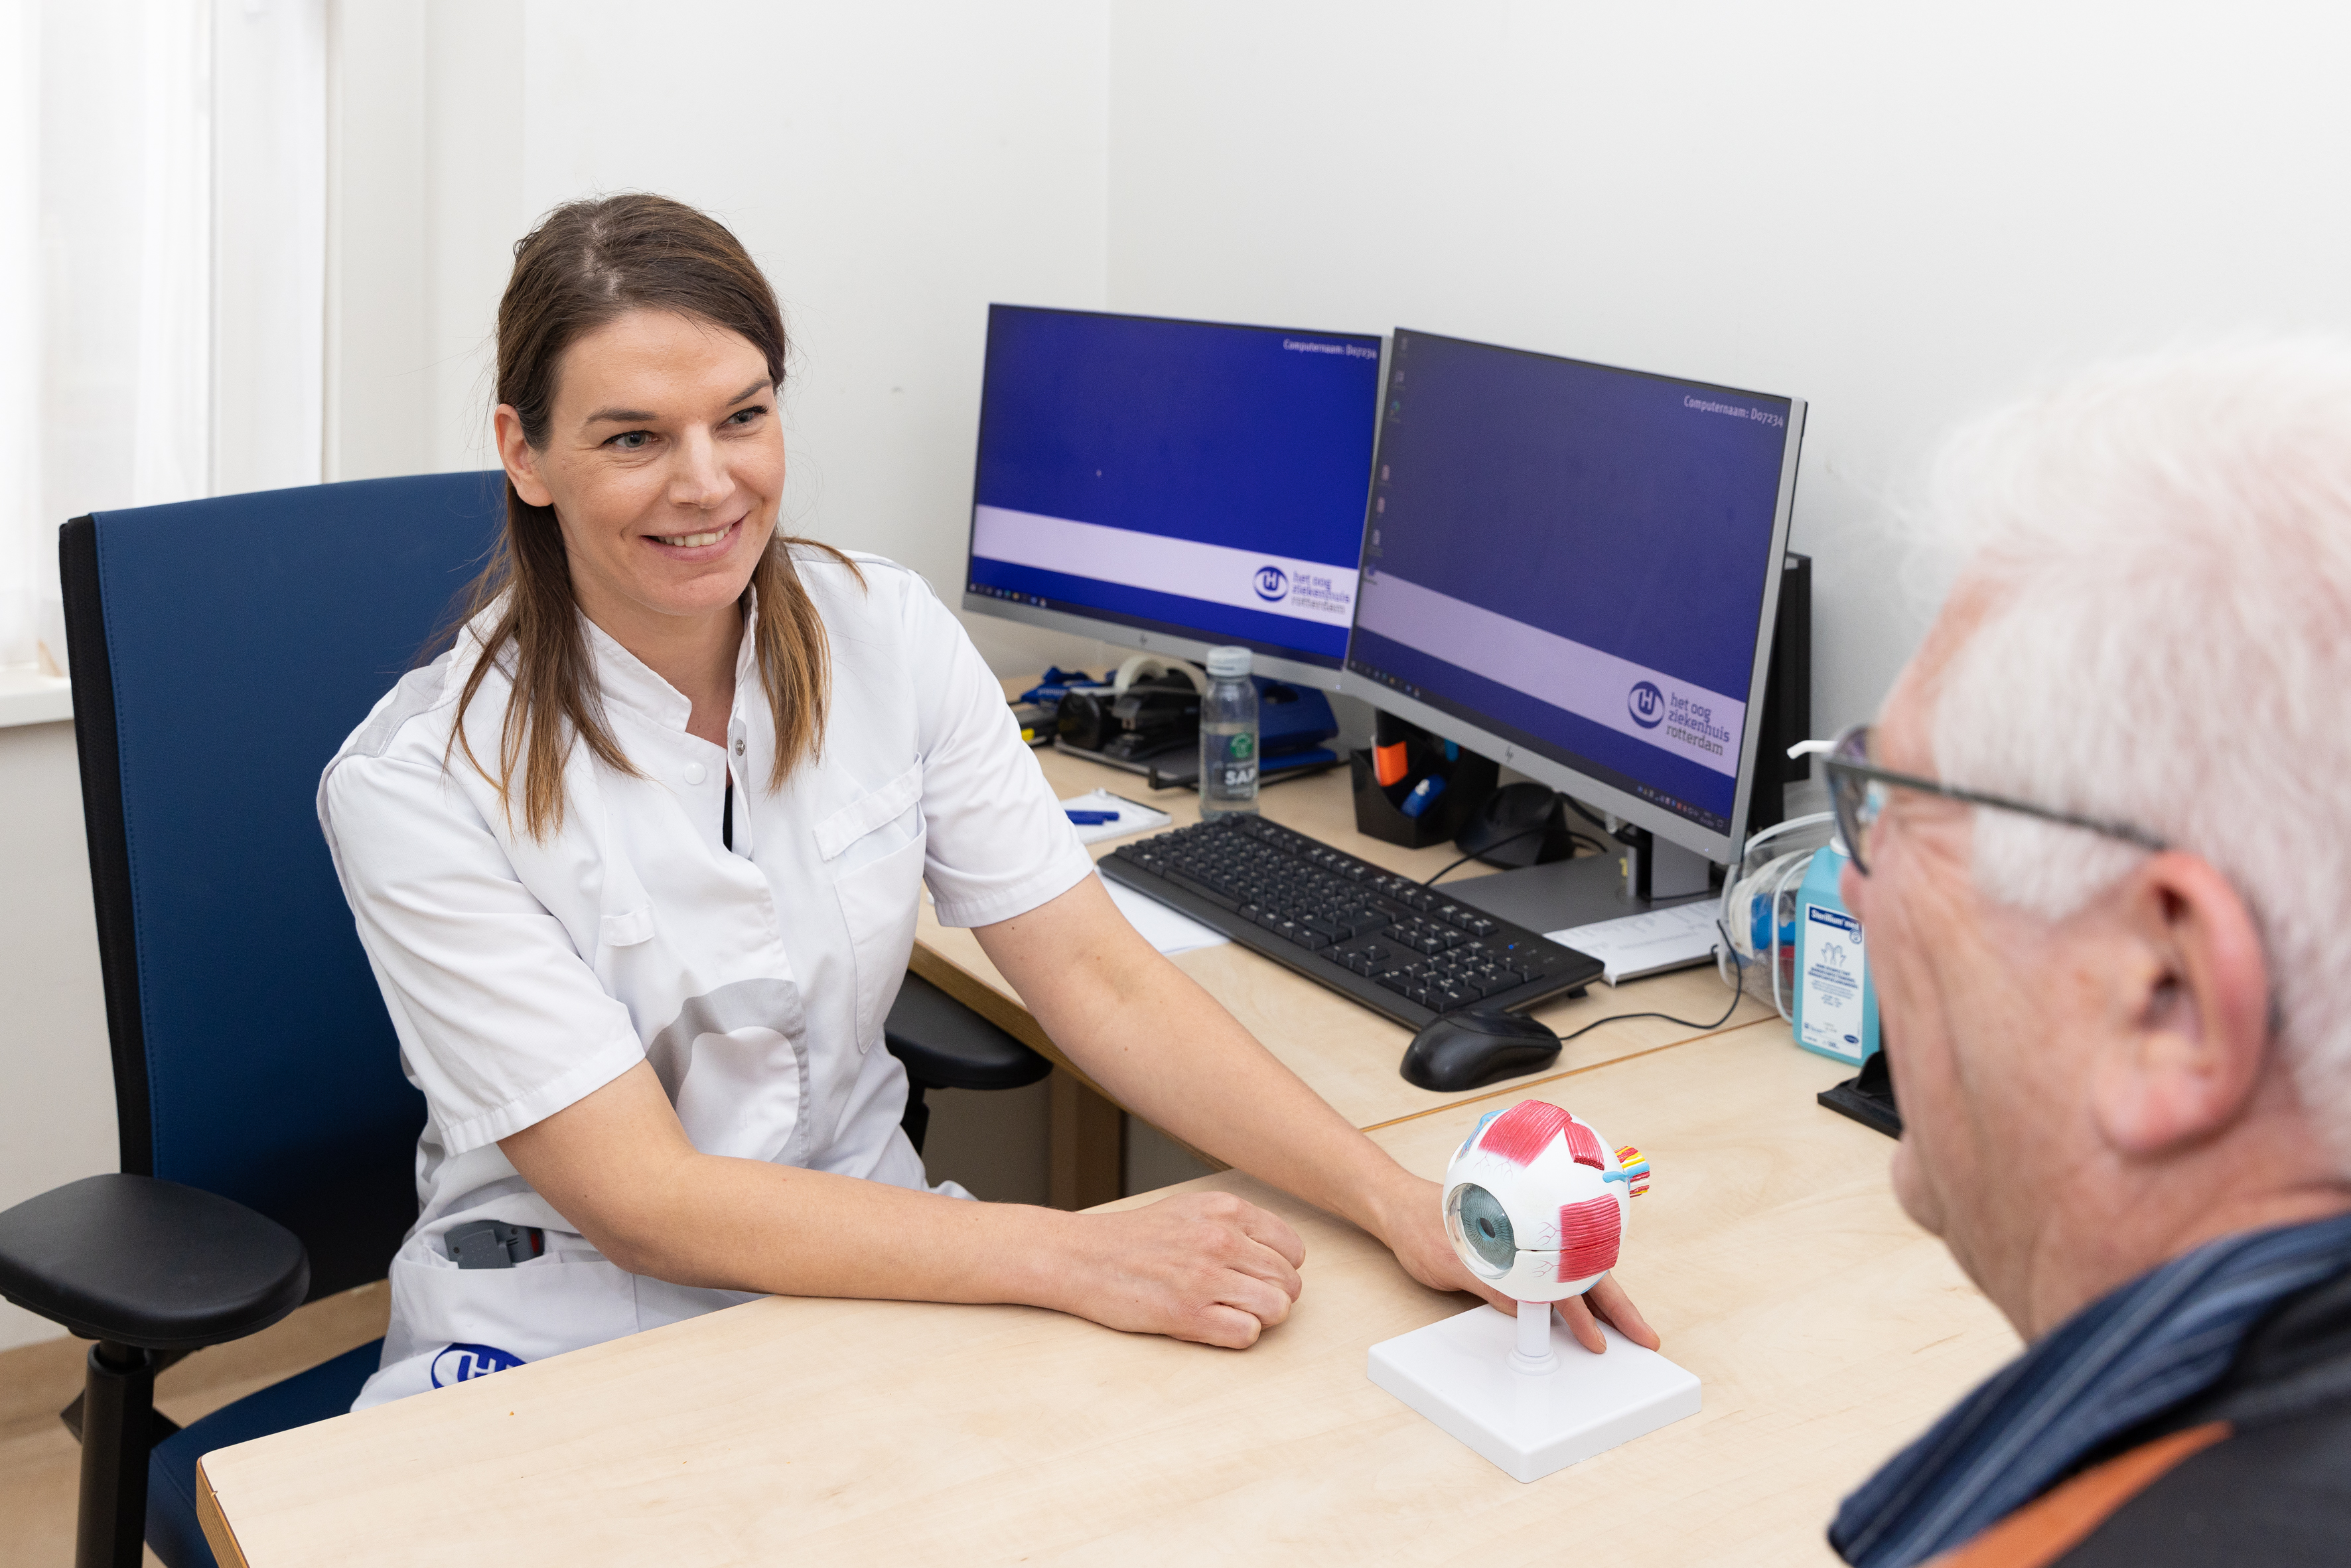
(1536, 1203)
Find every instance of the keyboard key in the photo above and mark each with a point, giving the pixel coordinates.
(1194, 885)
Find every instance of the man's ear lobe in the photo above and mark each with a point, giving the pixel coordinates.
(2190, 1039)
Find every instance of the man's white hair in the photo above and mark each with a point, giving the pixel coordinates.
(2167, 547)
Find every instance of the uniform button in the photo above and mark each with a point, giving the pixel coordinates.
(738, 745)
(696, 773)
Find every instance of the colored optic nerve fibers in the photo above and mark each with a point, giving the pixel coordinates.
(1635, 1171)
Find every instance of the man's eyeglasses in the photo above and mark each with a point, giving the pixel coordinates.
(1858, 790)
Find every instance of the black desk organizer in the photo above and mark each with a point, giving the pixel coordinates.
(1469, 779)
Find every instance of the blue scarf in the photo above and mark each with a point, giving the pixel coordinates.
(2126, 1358)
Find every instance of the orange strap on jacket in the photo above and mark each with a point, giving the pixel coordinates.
(2061, 1518)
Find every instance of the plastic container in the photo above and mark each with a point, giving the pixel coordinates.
(1229, 735)
(1837, 1005)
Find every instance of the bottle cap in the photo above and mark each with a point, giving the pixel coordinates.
(1229, 661)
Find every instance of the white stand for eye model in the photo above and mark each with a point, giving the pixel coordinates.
(1482, 1379)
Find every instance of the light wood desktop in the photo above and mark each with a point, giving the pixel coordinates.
(1345, 1053)
(1825, 1328)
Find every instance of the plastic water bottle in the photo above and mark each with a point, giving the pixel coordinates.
(1229, 735)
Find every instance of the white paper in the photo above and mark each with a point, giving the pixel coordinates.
(1132, 818)
(1170, 930)
(1635, 944)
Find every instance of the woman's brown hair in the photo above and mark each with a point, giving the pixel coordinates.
(584, 264)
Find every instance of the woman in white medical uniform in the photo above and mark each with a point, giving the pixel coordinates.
(637, 863)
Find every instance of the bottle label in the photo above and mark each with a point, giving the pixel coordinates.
(1834, 969)
(1235, 774)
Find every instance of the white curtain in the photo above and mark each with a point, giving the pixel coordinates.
(162, 219)
(20, 337)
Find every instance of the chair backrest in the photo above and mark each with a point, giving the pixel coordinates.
(221, 651)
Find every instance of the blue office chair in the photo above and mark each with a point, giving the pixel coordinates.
(221, 651)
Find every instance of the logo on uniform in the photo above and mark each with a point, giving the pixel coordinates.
(1646, 703)
(463, 1363)
(1272, 584)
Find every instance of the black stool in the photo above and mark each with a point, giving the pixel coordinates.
(945, 1045)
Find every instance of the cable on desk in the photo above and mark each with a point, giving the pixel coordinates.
(1738, 995)
(1581, 810)
(1573, 838)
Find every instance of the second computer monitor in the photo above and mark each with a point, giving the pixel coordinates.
(1173, 486)
(1573, 569)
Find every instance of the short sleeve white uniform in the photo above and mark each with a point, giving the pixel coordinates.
(523, 974)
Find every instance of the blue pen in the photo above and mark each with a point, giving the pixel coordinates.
(1090, 819)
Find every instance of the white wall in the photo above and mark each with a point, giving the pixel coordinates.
(57, 1086)
(893, 168)
(1896, 213)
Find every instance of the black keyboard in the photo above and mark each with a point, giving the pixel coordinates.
(1380, 939)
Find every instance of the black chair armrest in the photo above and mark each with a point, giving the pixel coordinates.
(149, 1263)
(945, 1045)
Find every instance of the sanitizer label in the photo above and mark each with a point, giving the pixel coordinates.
(1834, 969)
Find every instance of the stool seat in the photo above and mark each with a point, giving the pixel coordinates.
(149, 1263)
(945, 1045)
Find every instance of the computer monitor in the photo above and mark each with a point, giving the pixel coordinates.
(1573, 568)
(1174, 485)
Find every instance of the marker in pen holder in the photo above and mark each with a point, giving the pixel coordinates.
(1414, 789)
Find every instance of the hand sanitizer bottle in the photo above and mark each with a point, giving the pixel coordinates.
(1229, 735)
(1836, 1006)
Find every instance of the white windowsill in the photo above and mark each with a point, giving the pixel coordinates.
(29, 696)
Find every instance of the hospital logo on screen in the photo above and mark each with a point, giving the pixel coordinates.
(464, 1363)
(1646, 703)
(1272, 584)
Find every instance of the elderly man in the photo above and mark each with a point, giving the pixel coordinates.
(2102, 852)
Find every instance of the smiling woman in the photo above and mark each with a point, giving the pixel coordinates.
(640, 353)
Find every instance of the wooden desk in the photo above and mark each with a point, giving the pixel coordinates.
(1345, 1051)
(1826, 1329)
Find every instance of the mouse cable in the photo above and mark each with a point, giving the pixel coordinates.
(1738, 995)
(1584, 811)
(1573, 838)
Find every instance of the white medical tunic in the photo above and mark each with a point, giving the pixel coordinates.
(522, 974)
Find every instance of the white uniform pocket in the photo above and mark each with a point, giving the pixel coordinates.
(629, 929)
(876, 846)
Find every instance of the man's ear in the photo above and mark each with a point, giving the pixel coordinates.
(521, 461)
(2190, 1032)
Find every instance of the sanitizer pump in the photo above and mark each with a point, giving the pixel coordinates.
(1836, 1006)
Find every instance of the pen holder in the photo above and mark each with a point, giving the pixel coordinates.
(1379, 809)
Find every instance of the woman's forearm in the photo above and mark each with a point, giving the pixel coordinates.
(619, 1167)
(1163, 1047)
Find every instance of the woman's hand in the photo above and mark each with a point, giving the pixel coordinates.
(1411, 1223)
(1202, 1266)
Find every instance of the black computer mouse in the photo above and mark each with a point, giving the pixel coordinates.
(1471, 1049)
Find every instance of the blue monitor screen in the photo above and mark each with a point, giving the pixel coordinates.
(1179, 477)
(1574, 558)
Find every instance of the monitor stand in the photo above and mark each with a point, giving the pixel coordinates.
(1591, 888)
